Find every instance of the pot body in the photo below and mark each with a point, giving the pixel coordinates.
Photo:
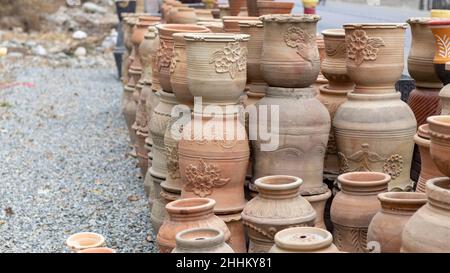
(178, 72)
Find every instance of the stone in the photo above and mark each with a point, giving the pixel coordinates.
(80, 51)
(79, 35)
(39, 50)
(93, 8)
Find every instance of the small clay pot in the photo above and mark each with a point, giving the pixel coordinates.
(201, 240)
(274, 7)
(231, 23)
(85, 240)
(304, 240)
(387, 225)
(98, 250)
(439, 130)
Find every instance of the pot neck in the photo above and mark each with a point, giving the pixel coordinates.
(438, 193)
(184, 210)
(364, 183)
(373, 97)
(168, 98)
(278, 187)
(298, 93)
(327, 89)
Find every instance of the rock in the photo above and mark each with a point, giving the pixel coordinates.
(79, 35)
(3, 51)
(39, 50)
(31, 44)
(80, 51)
(93, 8)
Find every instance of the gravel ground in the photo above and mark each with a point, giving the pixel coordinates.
(63, 163)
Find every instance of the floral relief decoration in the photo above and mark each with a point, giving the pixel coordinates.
(361, 47)
(202, 178)
(231, 59)
(299, 39)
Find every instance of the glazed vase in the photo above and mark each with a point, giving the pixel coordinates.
(318, 202)
(387, 225)
(354, 207)
(439, 130)
(201, 240)
(428, 229)
(428, 169)
(186, 214)
(273, 7)
(304, 240)
(290, 57)
(278, 206)
(298, 144)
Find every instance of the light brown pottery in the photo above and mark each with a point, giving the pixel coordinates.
(252, 9)
(428, 229)
(165, 51)
(217, 69)
(375, 55)
(439, 130)
(231, 23)
(304, 240)
(428, 169)
(204, 14)
(354, 207)
(178, 72)
(290, 57)
(201, 240)
(302, 136)
(238, 239)
(183, 15)
(318, 202)
(215, 27)
(85, 240)
(185, 214)
(235, 6)
(387, 225)
(278, 205)
(274, 7)
(98, 250)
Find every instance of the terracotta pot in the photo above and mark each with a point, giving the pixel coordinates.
(238, 240)
(151, 103)
(252, 8)
(441, 32)
(273, 7)
(127, 32)
(138, 35)
(215, 27)
(439, 130)
(185, 214)
(235, 6)
(129, 105)
(255, 81)
(217, 69)
(85, 240)
(304, 126)
(363, 146)
(375, 49)
(427, 230)
(178, 72)
(318, 202)
(165, 51)
(201, 240)
(231, 23)
(98, 250)
(290, 57)
(204, 14)
(184, 15)
(304, 240)
(428, 169)
(387, 225)
(354, 207)
(213, 164)
(279, 205)
(424, 102)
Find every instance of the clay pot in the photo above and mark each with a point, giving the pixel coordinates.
(290, 57)
(444, 96)
(272, 7)
(235, 6)
(354, 207)
(427, 230)
(201, 240)
(231, 23)
(213, 164)
(151, 103)
(165, 51)
(304, 240)
(217, 69)
(183, 15)
(318, 202)
(98, 250)
(252, 8)
(428, 169)
(441, 32)
(215, 27)
(375, 55)
(298, 147)
(439, 130)
(204, 14)
(178, 72)
(387, 225)
(185, 214)
(85, 240)
(139, 31)
(375, 132)
(278, 205)
(238, 239)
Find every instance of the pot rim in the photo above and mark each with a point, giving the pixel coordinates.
(437, 194)
(251, 23)
(238, 18)
(439, 22)
(375, 25)
(203, 204)
(424, 131)
(273, 4)
(358, 178)
(97, 250)
(403, 198)
(419, 20)
(185, 9)
(438, 122)
(216, 37)
(325, 241)
(170, 29)
(334, 32)
(293, 182)
(217, 238)
(72, 241)
(149, 18)
(290, 18)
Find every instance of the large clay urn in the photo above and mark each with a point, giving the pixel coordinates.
(387, 225)
(354, 207)
(165, 52)
(278, 205)
(274, 7)
(290, 57)
(201, 240)
(304, 240)
(231, 23)
(333, 94)
(185, 214)
(428, 169)
(296, 128)
(428, 230)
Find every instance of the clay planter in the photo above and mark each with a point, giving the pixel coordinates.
(318, 202)
(304, 240)
(354, 207)
(428, 169)
(375, 49)
(439, 130)
(183, 15)
(217, 69)
(272, 7)
(304, 126)
(441, 32)
(85, 240)
(165, 51)
(235, 6)
(428, 229)
(201, 240)
(279, 205)
(387, 225)
(214, 164)
(186, 214)
(231, 23)
(290, 57)
(98, 250)
(178, 72)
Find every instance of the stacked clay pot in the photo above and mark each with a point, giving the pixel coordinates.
(333, 94)
(273, 7)
(374, 129)
(354, 207)
(387, 225)
(278, 205)
(304, 240)
(201, 240)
